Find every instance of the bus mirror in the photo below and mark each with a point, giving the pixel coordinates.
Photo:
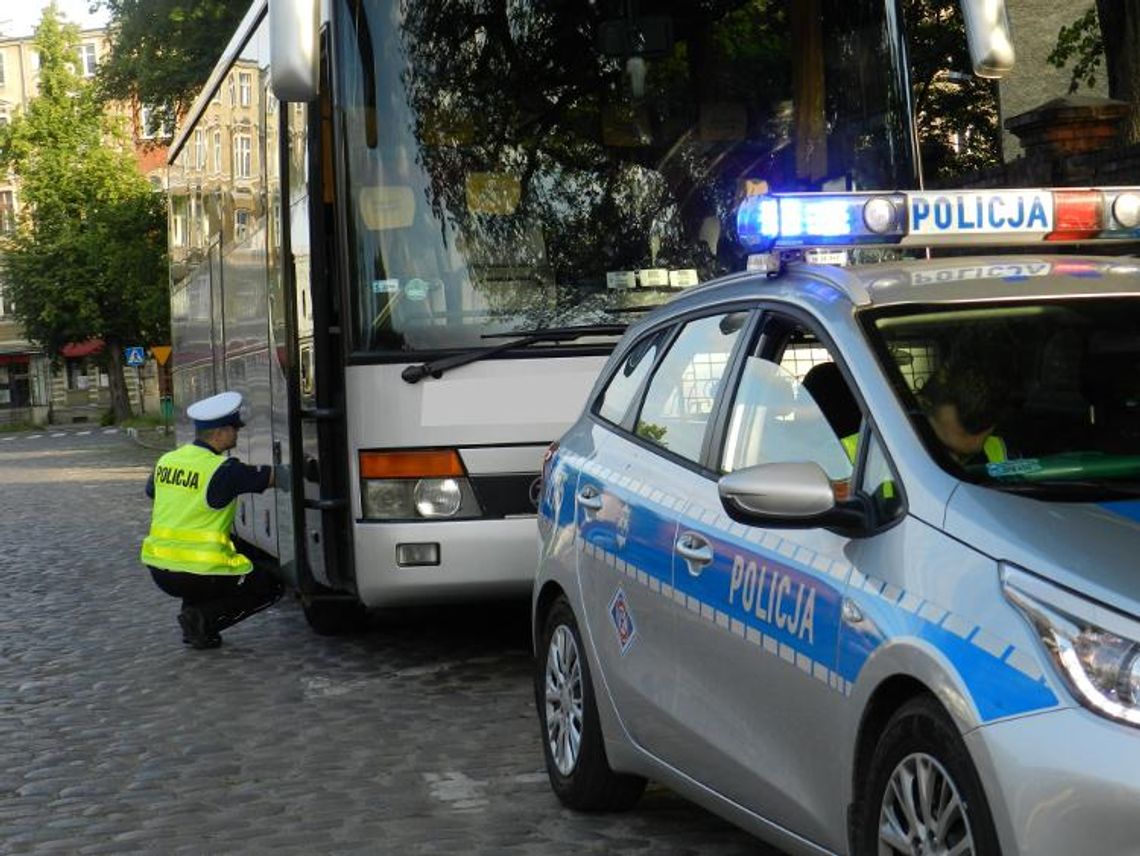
(293, 49)
(987, 32)
(492, 193)
(387, 207)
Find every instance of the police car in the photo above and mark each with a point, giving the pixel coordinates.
(850, 555)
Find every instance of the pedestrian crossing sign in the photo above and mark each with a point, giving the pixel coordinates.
(136, 355)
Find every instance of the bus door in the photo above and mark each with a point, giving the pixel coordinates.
(314, 442)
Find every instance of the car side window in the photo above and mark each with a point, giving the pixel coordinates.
(879, 483)
(775, 420)
(626, 381)
(680, 397)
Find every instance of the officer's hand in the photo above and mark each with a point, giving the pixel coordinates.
(283, 478)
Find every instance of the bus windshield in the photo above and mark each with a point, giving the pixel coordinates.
(530, 164)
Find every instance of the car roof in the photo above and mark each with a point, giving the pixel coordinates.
(995, 277)
(960, 279)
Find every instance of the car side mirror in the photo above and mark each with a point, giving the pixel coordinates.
(794, 495)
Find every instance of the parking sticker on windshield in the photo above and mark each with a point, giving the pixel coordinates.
(623, 621)
(1005, 469)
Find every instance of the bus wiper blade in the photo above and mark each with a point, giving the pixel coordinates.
(416, 373)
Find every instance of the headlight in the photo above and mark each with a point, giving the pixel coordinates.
(1096, 650)
(412, 485)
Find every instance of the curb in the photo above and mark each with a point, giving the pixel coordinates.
(133, 434)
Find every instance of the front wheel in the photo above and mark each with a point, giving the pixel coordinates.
(923, 795)
(576, 763)
(335, 616)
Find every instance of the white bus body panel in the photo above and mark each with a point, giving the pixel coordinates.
(500, 415)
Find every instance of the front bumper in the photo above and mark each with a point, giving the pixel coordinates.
(1062, 783)
(479, 560)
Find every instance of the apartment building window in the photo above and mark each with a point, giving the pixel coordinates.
(151, 125)
(243, 156)
(200, 149)
(230, 86)
(241, 225)
(87, 60)
(1, 69)
(7, 306)
(217, 151)
(245, 88)
(7, 211)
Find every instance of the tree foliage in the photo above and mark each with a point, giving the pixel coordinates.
(1106, 34)
(87, 259)
(1080, 42)
(957, 112)
(163, 50)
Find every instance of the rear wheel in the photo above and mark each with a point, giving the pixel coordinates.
(572, 742)
(335, 616)
(923, 795)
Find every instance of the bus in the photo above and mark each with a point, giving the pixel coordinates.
(411, 233)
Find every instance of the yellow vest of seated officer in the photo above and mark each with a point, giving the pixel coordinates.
(186, 534)
(994, 448)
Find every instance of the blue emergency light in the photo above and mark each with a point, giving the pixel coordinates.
(929, 218)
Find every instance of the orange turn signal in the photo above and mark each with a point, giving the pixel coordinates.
(436, 463)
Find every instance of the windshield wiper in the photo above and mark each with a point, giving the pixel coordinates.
(416, 373)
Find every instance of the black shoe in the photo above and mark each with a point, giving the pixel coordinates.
(196, 631)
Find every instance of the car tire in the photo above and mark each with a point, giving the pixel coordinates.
(895, 815)
(572, 744)
(335, 616)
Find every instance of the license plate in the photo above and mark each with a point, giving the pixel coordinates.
(980, 213)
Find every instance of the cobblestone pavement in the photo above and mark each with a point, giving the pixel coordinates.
(417, 737)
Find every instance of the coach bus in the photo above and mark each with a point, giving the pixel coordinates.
(410, 233)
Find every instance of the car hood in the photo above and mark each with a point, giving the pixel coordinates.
(1091, 548)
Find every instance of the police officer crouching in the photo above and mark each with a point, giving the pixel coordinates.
(189, 551)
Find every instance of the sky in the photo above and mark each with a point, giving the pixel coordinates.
(20, 17)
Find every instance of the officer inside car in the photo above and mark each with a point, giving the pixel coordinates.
(188, 550)
(963, 403)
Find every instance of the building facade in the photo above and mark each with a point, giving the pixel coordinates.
(73, 388)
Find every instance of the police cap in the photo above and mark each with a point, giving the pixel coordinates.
(217, 411)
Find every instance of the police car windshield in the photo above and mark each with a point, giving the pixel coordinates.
(1038, 396)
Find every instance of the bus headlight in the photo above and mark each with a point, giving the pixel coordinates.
(429, 485)
(1095, 650)
(437, 497)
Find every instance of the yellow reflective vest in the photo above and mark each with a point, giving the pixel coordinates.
(994, 448)
(186, 534)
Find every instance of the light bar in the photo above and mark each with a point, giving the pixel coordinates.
(933, 218)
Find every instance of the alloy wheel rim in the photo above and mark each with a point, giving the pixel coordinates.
(563, 699)
(922, 813)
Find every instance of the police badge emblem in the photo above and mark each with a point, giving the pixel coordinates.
(622, 619)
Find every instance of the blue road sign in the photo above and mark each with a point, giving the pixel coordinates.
(136, 355)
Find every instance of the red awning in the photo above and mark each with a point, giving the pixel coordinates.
(81, 349)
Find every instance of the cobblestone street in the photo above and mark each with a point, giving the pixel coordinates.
(417, 737)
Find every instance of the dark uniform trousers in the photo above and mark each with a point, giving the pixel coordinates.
(223, 599)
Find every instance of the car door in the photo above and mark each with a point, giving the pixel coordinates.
(630, 492)
(759, 696)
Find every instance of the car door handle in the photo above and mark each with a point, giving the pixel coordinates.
(589, 497)
(695, 550)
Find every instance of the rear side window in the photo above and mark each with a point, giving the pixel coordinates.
(680, 397)
(625, 383)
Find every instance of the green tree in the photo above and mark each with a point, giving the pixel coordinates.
(164, 50)
(1105, 36)
(957, 112)
(88, 257)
